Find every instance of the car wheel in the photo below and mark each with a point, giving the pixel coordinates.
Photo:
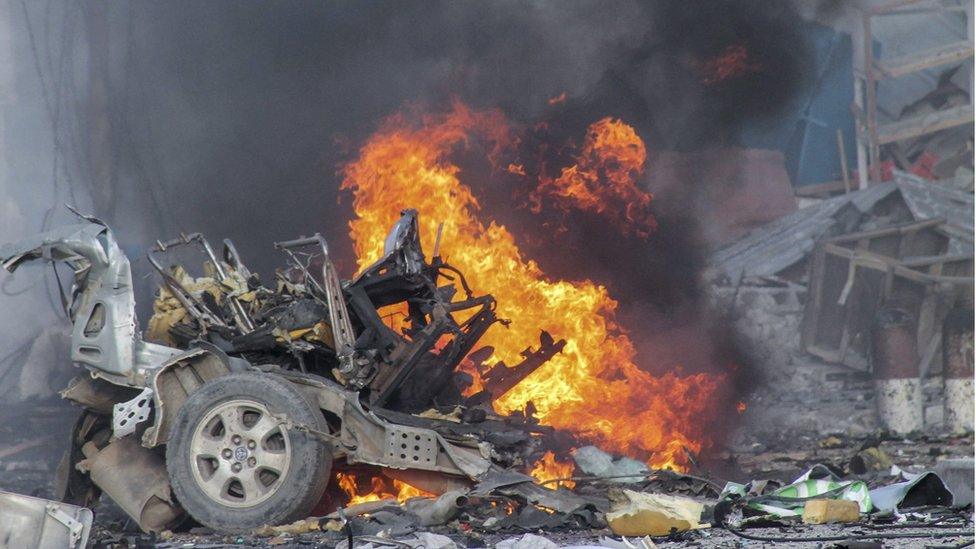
(234, 466)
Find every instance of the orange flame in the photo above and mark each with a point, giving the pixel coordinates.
(740, 407)
(593, 388)
(561, 98)
(378, 489)
(733, 62)
(603, 179)
(549, 468)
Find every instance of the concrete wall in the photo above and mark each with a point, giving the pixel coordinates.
(800, 394)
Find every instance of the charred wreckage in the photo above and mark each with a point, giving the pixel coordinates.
(241, 398)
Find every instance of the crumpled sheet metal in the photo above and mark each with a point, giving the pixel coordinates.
(527, 541)
(104, 334)
(636, 543)
(789, 500)
(498, 478)
(58, 244)
(417, 540)
(560, 500)
(512, 483)
(27, 521)
(370, 434)
(594, 461)
(924, 489)
(533, 541)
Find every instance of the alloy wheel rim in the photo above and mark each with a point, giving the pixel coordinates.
(240, 453)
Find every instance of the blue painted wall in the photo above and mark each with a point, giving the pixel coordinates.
(806, 131)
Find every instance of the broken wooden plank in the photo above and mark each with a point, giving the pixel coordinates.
(941, 55)
(925, 124)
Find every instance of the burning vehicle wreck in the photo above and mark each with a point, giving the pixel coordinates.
(242, 399)
(516, 275)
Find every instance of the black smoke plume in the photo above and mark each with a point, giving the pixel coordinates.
(231, 118)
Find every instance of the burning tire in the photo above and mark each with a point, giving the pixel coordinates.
(234, 466)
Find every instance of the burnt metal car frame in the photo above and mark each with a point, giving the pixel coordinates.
(142, 385)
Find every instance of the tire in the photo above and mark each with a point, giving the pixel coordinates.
(233, 467)
(71, 485)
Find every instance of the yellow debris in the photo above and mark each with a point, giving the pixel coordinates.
(296, 334)
(297, 527)
(871, 459)
(248, 297)
(642, 514)
(168, 311)
(825, 511)
(160, 323)
(831, 442)
(322, 332)
(333, 525)
(454, 416)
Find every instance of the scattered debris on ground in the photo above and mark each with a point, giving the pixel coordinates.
(402, 457)
(499, 511)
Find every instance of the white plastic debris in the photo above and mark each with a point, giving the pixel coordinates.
(417, 540)
(636, 543)
(528, 541)
(433, 541)
(626, 466)
(594, 461)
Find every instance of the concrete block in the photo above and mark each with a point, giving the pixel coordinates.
(826, 511)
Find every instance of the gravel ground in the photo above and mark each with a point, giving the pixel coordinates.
(29, 454)
(712, 537)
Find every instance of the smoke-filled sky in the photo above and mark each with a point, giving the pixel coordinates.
(232, 118)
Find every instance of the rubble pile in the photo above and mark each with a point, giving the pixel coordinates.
(472, 518)
(819, 294)
(828, 502)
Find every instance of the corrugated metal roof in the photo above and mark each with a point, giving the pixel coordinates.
(930, 200)
(772, 248)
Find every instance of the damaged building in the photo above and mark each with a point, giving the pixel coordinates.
(823, 291)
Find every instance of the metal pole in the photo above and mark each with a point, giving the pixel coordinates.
(842, 152)
(871, 110)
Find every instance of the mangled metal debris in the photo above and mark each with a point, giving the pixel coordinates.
(242, 396)
(42, 524)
